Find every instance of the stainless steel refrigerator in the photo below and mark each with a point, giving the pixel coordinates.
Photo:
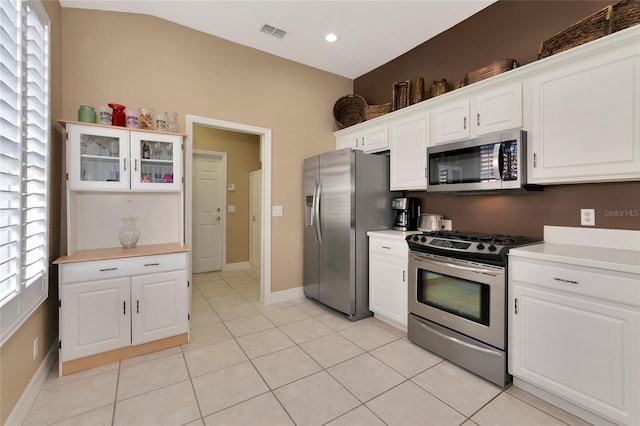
(346, 194)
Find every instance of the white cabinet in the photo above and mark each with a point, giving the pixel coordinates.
(409, 138)
(95, 316)
(388, 264)
(116, 159)
(115, 303)
(367, 137)
(575, 333)
(586, 119)
(161, 306)
(493, 110)
(451, 122)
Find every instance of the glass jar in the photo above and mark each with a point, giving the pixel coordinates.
(86, 114)
(161, 121)
(172, 122)
(132, 118)
(129, 232)
(145, 118)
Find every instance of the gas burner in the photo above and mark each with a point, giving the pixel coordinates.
(489, 248)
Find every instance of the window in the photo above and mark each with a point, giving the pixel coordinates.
(24, 161)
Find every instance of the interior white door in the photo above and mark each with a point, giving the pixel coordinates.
(208, 214)
(255, 222)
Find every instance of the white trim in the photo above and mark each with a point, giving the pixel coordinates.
(265, 158)
(223, 198)
(287, 295)
(238, 266)
(28, 397)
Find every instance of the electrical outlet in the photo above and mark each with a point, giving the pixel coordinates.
(587, 217)
(35, 348)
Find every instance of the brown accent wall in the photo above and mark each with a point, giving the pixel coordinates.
(506, 29)
(17, 366)
(243, 157)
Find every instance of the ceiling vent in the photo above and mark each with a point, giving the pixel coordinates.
(276, 32)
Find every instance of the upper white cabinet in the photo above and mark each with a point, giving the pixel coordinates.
(408, 141)
(118, 159)
(451, 122)
(493, 110)
(497, 110)
(586, 119)
(367, 137)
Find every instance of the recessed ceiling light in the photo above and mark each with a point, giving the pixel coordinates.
(331, 37)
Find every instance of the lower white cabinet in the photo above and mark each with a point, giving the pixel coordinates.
(575, 333)
(112, 304)
(388, 259)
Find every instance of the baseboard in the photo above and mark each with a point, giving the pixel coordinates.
(21, 410)
(238, 266)
(561, 403)
(286, 295)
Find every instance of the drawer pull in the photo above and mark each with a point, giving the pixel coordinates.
(108, 269)
(385, 247)
(566, 281)
(151, 264)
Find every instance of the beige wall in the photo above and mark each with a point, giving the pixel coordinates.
(138, 60)
(17, 366)
(243, 157)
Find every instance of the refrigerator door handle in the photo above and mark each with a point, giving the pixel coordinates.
(316, 212)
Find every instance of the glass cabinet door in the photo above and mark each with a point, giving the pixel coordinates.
(157, 162)
(98, 158)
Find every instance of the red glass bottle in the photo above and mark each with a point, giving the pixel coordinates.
(118, 117)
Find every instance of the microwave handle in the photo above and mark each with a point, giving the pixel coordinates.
(496, 161)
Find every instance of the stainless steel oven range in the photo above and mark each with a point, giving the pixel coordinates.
(457, 298)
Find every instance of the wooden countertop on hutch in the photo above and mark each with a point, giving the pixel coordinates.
(64, 123)
(119, 253)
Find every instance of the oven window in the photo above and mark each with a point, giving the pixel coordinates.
(467, 299)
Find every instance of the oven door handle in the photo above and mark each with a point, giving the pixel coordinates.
(461, 342)
(467, 268)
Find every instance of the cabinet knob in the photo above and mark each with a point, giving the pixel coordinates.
(218, 218)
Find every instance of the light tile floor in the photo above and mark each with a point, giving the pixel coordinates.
(294, 363)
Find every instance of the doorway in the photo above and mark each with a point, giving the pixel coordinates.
(265, 158)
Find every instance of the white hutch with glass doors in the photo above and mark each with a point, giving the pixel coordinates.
(117, 302)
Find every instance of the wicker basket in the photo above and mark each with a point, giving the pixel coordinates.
(616, 17)
(589, 29)
(349, 110)
(373, 111)
(625, 14)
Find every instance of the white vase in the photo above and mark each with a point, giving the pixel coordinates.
(129, 232)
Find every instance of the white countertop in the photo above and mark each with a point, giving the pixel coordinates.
(390, 233)
(596, 248)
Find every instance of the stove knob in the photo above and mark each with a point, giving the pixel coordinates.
(480, 246)
(423, 239)
(492, 248)
(416, 238)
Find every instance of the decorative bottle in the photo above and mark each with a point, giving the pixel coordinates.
(129, 232)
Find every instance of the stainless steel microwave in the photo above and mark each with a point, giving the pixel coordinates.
(489, 163)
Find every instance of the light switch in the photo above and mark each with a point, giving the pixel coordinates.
(231, 209)
(276, 211)
(231, 187)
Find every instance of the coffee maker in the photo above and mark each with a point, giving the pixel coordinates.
(406, 212)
